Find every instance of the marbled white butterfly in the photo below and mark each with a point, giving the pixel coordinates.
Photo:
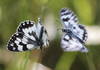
(75, 34)
(28, 36)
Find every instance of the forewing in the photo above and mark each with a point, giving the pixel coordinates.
(43, 35)
(68, 17)
(28, 28)
(39, 28)
(45, 38)
(70, 43)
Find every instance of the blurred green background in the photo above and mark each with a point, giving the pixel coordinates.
(14, 11)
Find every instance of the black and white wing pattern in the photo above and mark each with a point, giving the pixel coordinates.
(28, 36)
(67, 16)
(70, 42)
(71, 23)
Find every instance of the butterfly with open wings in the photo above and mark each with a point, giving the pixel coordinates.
(75, 34)
(28, 36)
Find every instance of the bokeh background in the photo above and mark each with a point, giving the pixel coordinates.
(53, 58)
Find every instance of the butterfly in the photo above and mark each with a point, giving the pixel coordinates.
(75, 34)
(28, 36)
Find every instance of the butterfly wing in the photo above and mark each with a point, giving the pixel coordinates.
(82, 33)
(45, 38)
(25, 37)
(68, 17)
(19, 42)
(70, 43)
(70, 21)
(79, 31)
(43, 35)
(28, 28)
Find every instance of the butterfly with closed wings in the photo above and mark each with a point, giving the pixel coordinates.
(28, 36)
(75, 34)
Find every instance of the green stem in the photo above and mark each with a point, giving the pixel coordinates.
(90, 62)
(66, 61)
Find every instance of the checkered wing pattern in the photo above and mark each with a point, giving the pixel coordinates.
(28, 36)
(72, 28)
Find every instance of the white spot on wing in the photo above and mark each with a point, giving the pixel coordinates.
(67, 37)
(30, 46)
(17, 42)
(23, 23)
(12, 44)
(25, 30)
(24, 39)
(14, 48)
(18, 39)
(20, 48)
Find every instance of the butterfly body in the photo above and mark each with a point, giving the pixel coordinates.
(28, 36)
